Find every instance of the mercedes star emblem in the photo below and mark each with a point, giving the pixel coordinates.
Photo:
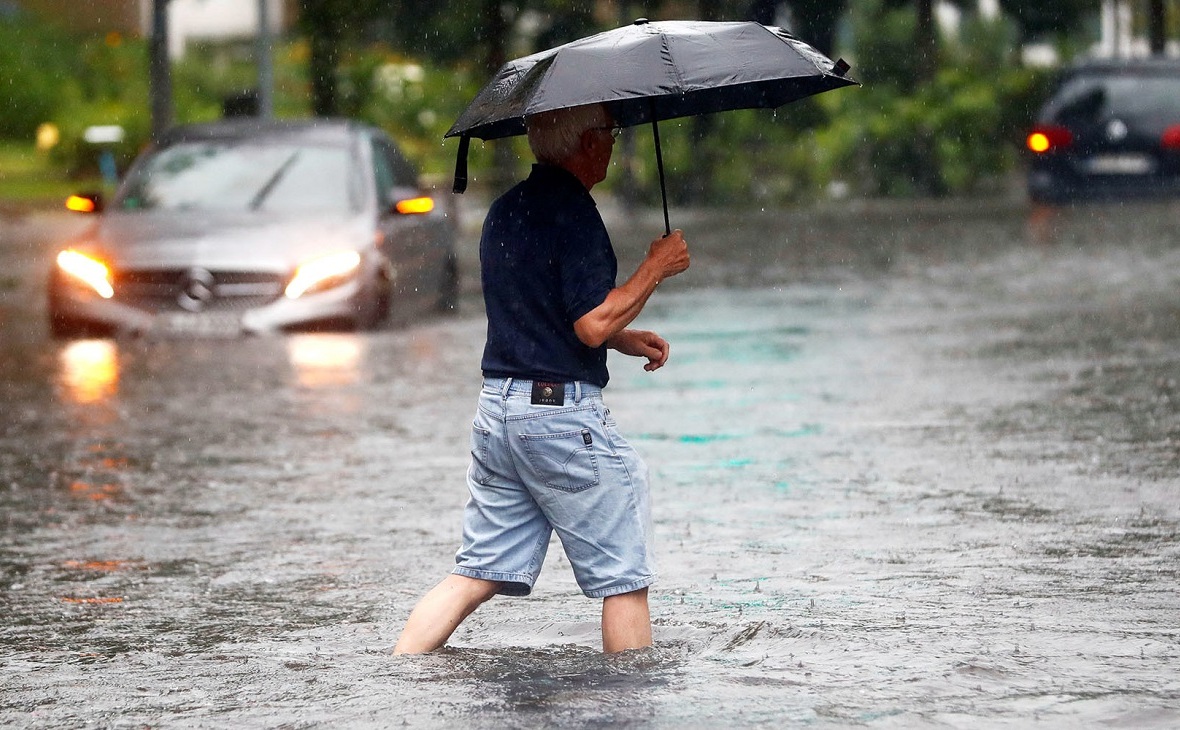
(196, 290)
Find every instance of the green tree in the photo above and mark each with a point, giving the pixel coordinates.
(1048, 17)
(36, 62)
(923, 42)
(330, 25)
(816, 21)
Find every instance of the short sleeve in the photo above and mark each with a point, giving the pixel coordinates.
(588, 266)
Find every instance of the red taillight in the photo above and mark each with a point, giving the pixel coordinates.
(1048, 138)
(1171, 138)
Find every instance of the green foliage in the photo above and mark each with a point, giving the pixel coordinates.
(955, 134)
(29, 176)
(416, 102)
(1047, 17)
(816, 21)
(110, 87)
(35, 64)
(211, 73)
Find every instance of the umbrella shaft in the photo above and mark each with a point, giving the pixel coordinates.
(655, 130)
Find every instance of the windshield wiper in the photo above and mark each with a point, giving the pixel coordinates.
(265, 190)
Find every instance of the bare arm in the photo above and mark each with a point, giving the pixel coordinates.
(666, 257)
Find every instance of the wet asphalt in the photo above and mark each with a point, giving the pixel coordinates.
(915, 465)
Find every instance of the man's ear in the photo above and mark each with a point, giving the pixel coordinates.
(586, 140)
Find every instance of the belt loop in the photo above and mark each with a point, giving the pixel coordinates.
(504, 387)
(577, 392)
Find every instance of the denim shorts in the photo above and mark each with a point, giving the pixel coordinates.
(535, 469)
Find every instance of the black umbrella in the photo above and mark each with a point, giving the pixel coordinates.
(647, 72)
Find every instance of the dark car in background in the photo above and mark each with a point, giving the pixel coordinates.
(1110, 129)
(249, 226)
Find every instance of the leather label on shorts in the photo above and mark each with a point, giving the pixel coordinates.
(548, 394)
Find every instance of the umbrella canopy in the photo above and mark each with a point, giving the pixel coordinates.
(649, 72)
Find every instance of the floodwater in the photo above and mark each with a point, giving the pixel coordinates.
(914, 466)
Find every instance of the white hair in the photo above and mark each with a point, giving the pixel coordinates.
(554, 136)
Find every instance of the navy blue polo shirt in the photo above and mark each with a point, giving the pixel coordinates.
(546, 260)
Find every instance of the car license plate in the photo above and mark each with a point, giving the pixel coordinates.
(204, 324)
(1120, 165)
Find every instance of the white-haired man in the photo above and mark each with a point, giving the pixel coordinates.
(546, 453)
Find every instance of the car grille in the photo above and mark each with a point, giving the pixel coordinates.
(196, 290)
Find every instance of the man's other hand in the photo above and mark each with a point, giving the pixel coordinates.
(642, 343)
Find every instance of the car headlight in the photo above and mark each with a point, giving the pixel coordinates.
(91, 272)
(323, 273)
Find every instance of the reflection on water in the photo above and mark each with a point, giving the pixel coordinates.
(103, 566)
(326, 360)
(94, 492)
(1041, 225)
(88, 371)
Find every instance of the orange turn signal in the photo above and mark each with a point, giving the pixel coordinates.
(1038, 142)
(415, 206)
(1049, 138)
(80, 204)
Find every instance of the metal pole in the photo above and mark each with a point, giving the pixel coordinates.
(160, 71)
(265, 63)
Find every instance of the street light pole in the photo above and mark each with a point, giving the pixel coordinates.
(160, 71)
(265, 63)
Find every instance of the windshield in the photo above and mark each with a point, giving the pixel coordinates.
(1096, 96)
(220, 176)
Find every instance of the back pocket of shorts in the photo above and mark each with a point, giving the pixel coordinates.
(564, 461)
(479, 471)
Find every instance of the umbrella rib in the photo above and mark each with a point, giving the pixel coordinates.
(670, 62)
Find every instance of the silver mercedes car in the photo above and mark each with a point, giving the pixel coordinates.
(246, 226)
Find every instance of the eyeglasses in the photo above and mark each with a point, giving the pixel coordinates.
(614, 130)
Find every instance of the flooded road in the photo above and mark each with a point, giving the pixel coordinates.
(913, 466)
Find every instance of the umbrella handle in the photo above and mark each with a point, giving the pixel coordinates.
(461, 165)
(655, 130)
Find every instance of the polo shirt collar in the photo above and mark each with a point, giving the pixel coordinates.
(555, 176)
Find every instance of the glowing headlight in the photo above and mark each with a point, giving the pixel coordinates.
(91, 272)
(322, 273)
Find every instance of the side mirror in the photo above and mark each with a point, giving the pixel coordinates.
(407, 201)
(85, 203)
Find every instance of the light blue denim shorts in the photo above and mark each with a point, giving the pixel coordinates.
(535, 469)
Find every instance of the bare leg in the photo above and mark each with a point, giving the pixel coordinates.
(441, 611)
(626, 622)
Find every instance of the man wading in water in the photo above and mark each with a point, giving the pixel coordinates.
(546, 454)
